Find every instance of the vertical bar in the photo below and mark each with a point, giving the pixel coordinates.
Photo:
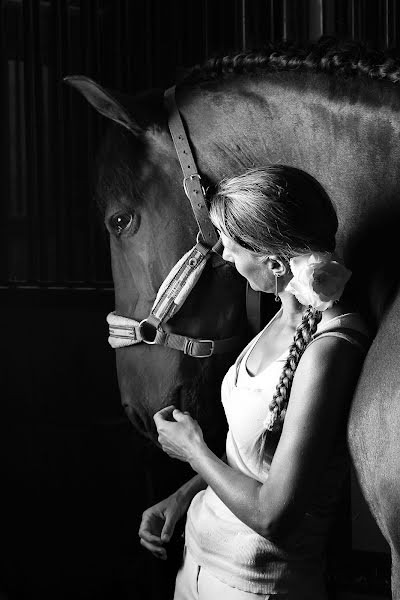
(284, 19)
(59, 64)
(205, 28)
(316, 19)
(88, 213)
(329, 17)
(236, 42)
(82, 245)
(342, 24)
(22, 147)
(5, 143)
(149, 45)
(277, 15)
(390, 18)
(296, 20)
(118, 64)
(386, 18)
(272, 21)
(321, 17)
(244, 41)
(257, 24)
(360, 20)
(353, 19)
(128, 23)
(32, 74)
(53, 141)
(301, 22)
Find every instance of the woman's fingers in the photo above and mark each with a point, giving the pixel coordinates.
(169, 527)
(150, 537)
(151, 526)
(157, 551)
(164, 414)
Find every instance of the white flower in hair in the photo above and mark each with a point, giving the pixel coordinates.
(318, 279)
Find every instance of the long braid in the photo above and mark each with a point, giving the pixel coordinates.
(279, 402)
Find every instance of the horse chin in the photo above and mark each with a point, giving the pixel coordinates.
(189, 384)
(142, 418)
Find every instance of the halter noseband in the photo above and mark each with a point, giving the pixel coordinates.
(184, 275)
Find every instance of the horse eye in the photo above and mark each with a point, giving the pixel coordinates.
(120, 223)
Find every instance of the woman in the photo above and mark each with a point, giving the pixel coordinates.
(258, 520)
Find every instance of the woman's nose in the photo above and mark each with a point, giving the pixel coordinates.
(227, 256)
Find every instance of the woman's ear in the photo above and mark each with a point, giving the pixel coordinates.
(277, 265)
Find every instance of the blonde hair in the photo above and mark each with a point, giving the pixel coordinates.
(284, 211)
(275, 210)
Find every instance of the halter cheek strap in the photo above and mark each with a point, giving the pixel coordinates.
(184, 275)
(191, 178)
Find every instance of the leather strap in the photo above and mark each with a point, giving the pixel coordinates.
(191, 178)
(198, 348)
(185, 277)
(253, 309)
(128, 332)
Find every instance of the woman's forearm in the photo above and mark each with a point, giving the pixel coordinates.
(196, 484)
(240, 493)
(188, 490)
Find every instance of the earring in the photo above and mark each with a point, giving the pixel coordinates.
(277, 299)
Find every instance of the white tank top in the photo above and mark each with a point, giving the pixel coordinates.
(222, 543)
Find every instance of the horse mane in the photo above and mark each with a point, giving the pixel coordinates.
(328, 55)
(342, 59)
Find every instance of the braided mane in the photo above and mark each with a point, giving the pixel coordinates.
(343, 59)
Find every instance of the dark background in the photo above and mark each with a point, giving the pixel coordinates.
(74, 476)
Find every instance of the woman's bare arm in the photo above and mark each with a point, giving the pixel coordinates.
(321, 394)
(158, 521)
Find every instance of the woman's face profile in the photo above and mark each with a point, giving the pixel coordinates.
(249, 265)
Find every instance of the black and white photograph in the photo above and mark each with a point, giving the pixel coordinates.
(199, 282)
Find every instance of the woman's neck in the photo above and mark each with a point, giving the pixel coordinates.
(293, 311)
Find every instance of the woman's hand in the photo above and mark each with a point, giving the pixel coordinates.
(158, 524)
(180, 437)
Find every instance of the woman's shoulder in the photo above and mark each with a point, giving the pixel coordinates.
(332, 360)
(344, 324)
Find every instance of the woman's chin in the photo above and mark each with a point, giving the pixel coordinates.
(255, 287)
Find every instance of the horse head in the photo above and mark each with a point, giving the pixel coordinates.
(151, 225)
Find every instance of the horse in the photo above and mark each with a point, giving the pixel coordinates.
(331, 110)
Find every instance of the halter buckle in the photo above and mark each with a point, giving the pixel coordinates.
(188, 349)
(190, 178)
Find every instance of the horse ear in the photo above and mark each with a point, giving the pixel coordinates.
(103, 102)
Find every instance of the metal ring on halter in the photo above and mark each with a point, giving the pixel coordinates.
(143, 325)
(217, 246)
(201, 241)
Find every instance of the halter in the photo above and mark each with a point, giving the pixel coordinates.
(184, 275)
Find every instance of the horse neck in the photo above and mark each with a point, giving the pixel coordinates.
(287, 116)
(343, 132)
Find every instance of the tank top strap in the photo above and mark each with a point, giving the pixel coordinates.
(349, 327)
(361, 345)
